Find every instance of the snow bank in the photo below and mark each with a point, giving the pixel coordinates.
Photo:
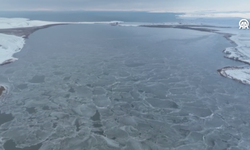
(242, 51)
(9, 45)
(240, 74)
(10, 23)
(239, 53)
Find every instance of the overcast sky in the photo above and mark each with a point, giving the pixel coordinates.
(126, 5)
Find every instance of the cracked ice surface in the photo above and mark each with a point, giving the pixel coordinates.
(136, 91)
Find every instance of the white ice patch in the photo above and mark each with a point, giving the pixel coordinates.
(129, 25)
(240, 74)
(242, 51)
(9, 45)
(9, 23)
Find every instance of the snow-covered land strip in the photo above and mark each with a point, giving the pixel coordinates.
(9, 45)
(240, 74)
(10, 23)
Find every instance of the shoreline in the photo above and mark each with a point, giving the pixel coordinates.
(240, 74)
(25, 32)
(2, 90)
(223, 72)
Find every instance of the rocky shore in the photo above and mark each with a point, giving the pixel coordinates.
(2, 89)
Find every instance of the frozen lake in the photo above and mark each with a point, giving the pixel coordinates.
(98, 87)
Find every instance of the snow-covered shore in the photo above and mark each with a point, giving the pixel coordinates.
(241, 52)
(10, 23)
(9, 45)
(241, 74)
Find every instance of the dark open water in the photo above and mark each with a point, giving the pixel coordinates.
(98, 87)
